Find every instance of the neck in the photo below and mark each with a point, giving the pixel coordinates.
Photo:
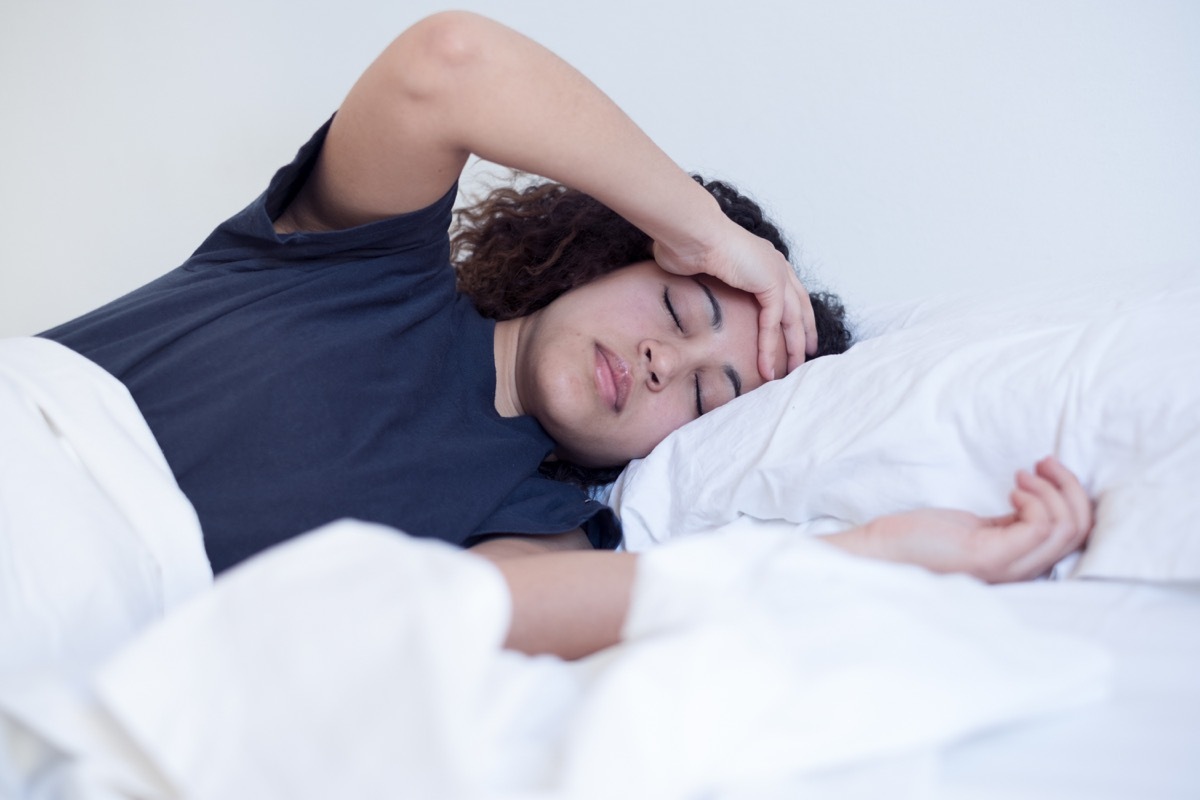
(504, 349)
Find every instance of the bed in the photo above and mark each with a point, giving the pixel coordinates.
(757, 661)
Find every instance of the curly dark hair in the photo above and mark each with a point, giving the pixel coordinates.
(519, 248)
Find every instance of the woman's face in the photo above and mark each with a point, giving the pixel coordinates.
(612, 367)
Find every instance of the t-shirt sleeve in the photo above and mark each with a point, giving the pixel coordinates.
(541, 506)
(249, 241)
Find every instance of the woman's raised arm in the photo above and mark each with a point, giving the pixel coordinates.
(456, 84)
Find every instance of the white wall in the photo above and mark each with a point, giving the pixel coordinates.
(906, 147)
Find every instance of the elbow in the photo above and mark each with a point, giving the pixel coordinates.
(452, 39)
(434, 56)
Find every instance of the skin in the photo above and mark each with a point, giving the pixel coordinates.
(457, 84)
(609, 371)
(570, 602)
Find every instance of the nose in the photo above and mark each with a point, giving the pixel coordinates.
(662, 361)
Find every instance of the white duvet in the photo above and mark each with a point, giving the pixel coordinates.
(941, 403)
(357, 662)
(96, 541)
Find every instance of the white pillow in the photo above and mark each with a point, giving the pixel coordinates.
(941, 404)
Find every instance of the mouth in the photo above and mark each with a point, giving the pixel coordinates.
(613, 378)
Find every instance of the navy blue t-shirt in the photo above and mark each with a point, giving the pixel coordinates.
(295, 379)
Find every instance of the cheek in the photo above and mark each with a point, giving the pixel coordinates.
(660, 420)
(623, 440)
(563, 403)
(560, 381)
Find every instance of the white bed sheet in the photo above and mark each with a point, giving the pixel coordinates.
(1140, 743)
(1144, 742)
(356, 661)
(328, 668)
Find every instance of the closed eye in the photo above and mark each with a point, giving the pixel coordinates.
(666, 297)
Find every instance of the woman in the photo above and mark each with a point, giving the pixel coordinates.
(313, 360)
(519, 251)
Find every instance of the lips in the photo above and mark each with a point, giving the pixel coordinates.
(613, 378)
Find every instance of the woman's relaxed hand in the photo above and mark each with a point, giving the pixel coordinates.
(752, 264)
(1052, 516)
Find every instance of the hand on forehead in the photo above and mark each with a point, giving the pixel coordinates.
(733, 298)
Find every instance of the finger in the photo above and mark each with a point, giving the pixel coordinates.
(768, 332)
(1072, 491)
(1031, 536)
(1040, 560)
(1054, 537)
(1062, 521)
(1049, 494)
(1002, 548)
(799, 322)
(795, 329)
(1068, 505)
(810, 320)
(1029, 506)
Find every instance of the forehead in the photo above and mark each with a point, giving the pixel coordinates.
(743, 308)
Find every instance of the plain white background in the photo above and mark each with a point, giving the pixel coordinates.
(906, 148)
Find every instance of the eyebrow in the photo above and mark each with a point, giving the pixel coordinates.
(717, 318)
(735, 379)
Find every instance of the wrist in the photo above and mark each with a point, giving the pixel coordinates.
(689, 236)
(863, 540)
